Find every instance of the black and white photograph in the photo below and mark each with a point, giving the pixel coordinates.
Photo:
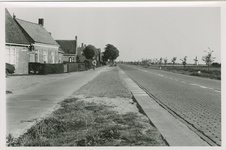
(112, 74)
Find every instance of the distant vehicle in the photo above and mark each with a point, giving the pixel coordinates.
(9, 69)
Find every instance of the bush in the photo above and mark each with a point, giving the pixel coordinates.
(38, 68)
(52, 69)
(72, 67)
(216, 65)
(88, 64)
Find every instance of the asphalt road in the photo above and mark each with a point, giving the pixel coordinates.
(196, 100)
(24, 106)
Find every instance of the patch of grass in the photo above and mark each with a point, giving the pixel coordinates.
(107, 84)
(79, 123)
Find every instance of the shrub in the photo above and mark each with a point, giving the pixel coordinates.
(88, 64)
(52, 69)
(72, 67)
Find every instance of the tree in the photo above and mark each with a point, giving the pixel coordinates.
(111, 52)
(104, 58)
(165, 60)
(184, 61)
(196, 60)
(208, 59)
(160, 61)
(155, 61)
(174, 60)
(89, 51)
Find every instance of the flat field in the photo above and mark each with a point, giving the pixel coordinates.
(200, 70)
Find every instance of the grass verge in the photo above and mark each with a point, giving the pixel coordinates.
(95, 116)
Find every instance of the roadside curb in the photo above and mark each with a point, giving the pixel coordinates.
(173, 131)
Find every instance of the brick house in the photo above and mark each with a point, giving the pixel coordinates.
(17, 47)
(60, 55)
(44, 49)
(69, 49)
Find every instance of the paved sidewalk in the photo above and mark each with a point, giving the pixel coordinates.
(174, 132)
(25, 106)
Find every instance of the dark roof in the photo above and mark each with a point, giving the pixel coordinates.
(60, 50)
(13, 33)
(68, 46)
(36, 32)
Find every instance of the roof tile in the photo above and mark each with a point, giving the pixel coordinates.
(37, 32)
(13, 33)
(68, 46)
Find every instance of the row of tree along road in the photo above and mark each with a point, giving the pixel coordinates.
(210, 70)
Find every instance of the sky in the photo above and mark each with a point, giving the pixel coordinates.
(137, 32)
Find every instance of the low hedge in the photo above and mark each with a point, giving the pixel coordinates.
(39, 68)
(53, 68)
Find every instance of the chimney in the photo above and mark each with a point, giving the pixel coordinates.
(82, 44)
(41, 21)
(50, 33)
(14, 16)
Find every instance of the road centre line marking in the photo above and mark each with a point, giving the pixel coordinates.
(217, 91)
(205, 87)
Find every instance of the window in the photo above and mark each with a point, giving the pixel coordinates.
(52, 57)
(11, 56)
(7, 59)
(45, 56)
(36, 57)
(32, 57)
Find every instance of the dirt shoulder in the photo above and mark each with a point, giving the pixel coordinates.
(101, 113)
